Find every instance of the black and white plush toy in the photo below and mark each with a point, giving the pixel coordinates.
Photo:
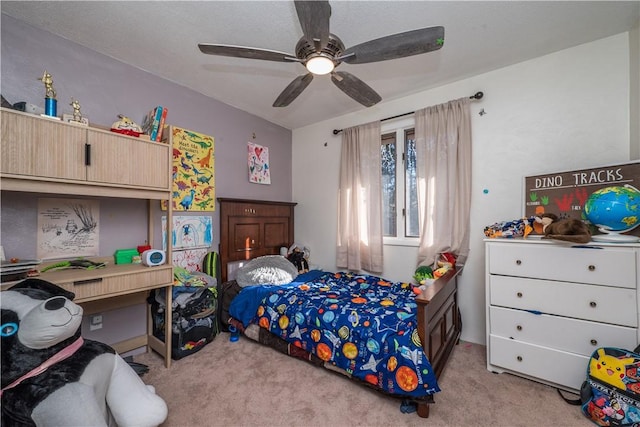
(51, 376)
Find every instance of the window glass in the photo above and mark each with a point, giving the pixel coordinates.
(411, 224)
(389, 160)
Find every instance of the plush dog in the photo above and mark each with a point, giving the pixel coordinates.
(567, 229)
(51, 376)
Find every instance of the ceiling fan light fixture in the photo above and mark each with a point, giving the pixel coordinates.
(320, 65)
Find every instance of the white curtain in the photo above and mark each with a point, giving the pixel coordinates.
(443, 148)
(360, 200)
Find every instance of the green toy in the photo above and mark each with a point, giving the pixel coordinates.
(75, 263)
(423, 272)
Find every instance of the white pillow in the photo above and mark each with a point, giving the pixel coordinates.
(267, 270)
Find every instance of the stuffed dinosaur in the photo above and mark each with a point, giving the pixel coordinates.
(51, 376)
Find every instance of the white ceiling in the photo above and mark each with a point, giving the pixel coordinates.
(161, 37)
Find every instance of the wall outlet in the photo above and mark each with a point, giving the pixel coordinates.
(95, 322)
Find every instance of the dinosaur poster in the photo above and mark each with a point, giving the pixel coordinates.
(193, 170)
(258, 157)
(565, 193)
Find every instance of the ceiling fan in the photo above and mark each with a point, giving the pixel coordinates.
(321, 52)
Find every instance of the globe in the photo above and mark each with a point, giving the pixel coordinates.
(614, 210)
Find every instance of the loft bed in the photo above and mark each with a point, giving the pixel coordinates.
(404, 360)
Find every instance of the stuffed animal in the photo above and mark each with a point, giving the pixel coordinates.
(566, 229)
(299, 257)
(51, 376)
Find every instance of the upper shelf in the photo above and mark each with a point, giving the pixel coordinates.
(49, 156)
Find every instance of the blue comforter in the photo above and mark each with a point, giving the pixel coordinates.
(362, 324)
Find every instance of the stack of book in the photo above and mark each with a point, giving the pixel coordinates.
(153, 123)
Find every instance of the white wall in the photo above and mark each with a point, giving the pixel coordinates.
(568, 110)
(634, 105)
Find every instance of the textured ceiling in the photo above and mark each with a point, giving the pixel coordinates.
(479, 37)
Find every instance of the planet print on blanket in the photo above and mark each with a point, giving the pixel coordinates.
(361, 324)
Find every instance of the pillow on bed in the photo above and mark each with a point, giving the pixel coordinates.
(267, 270)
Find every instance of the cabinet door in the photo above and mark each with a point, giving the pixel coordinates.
(33, 146)
(276, 235)
(128, 161)
(245, 238)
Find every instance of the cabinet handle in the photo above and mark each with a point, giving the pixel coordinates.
(593, 304)
(592, 268)
(519, 327)
(519, 294)
(87, 154)
(594, 342)
(88, 281)
(519, 358)
(518, 262)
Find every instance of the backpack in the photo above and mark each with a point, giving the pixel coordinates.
(610, 396)
(211, 265)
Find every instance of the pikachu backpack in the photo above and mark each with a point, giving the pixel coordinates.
(610, 396)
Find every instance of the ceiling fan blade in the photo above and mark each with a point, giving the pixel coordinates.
(314, 19)
(395, 46)
(246, 52)
(355, 88)
(292, 91)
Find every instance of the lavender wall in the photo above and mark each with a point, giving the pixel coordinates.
(106, 88)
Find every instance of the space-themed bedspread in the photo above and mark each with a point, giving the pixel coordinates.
(363, 324)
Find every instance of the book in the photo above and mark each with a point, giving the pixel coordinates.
(163, 118)
(151, 122)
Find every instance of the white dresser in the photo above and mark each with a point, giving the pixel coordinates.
(551, 304)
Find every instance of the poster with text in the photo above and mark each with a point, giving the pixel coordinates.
(258, 157)
(192, 170)
(68, 228)
(565, 193)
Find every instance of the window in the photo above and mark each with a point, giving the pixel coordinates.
(399, 184)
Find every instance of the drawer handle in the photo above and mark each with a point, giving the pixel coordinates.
(519, 358)
(88, 281)
(519, 294)
(519, 327)
(594, 342)
(518, 262)
(592, 268)
(593, 304)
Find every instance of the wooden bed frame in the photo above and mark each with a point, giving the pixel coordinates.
(252, 228)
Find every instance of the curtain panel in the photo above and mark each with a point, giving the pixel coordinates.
(443, 147)
(360, 231)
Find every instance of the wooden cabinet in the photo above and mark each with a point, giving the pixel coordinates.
(253, 228)
(43, 155)
(550, 305)
(67, 157)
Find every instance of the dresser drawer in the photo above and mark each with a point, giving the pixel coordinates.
(555, 366)
(613, 266)
(92, 288)
(599, 303)
(561, 333)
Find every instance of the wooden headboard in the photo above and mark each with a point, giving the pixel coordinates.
(253, 228)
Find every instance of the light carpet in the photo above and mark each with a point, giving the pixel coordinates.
(244, 383)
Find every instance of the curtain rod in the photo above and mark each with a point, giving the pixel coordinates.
(477, 95)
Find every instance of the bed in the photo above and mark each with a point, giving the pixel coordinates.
(372, 330)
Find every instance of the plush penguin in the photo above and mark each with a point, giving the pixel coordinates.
(51, 376)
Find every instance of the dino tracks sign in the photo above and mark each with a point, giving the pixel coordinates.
(565, 193)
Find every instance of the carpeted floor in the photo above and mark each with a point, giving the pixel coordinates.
(246, 384)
